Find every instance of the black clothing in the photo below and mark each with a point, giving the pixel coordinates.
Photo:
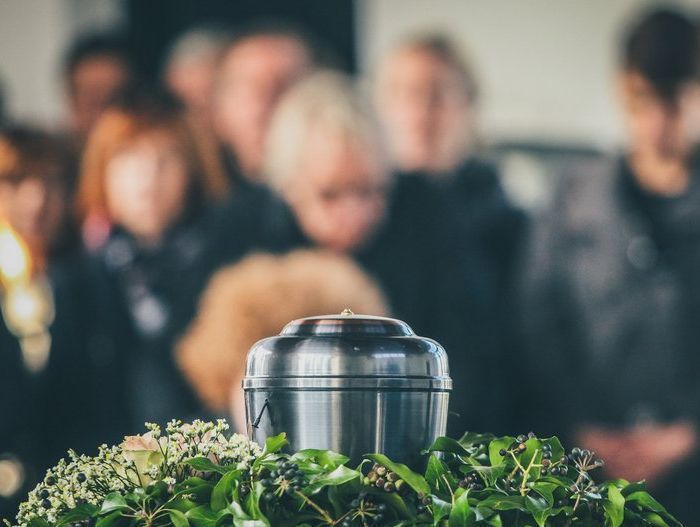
(20, 435)
(431, 272)
(479, 203)
(120, 312)
(611, 300)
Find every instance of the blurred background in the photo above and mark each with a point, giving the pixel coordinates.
(516, 179)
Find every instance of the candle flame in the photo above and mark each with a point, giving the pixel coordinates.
(26, 301)
(15, 262)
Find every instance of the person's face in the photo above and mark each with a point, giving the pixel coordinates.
(425, 109)
(657, 128)
(339, 192)
(35, 207)
(146, 185)
(93, 83)
(252, 77)
(192, 80)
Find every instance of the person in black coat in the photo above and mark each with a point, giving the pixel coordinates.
(37, 233)
(426, 96)
(332, 190)
(148, 177)
(21, 444)
(611, 294)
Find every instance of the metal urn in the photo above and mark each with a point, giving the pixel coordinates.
(349, 383)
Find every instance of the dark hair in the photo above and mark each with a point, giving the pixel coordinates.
(31, 152)
(319, 53)
(664, 47)
(97, 45)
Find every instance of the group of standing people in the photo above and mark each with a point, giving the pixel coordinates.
(265, 186)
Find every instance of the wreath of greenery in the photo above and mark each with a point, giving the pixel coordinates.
(199, 475)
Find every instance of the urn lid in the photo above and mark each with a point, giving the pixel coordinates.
(347, 351)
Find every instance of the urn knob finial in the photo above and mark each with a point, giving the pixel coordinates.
(347, 312)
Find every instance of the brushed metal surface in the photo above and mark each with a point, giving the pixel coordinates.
(352, 384)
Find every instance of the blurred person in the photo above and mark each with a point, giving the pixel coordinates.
(19, 437)
(612, 290)
(255, 298)
(120, 308)
(34, 235)
(191, 67)
(426, 96)
(333, 190)
(34, 190)
(97, 67)
(258, 66)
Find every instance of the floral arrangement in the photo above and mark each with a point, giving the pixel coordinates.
(199, 475)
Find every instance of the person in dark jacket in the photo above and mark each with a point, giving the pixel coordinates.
(257, 66)
(612, 289)
(35, 235)
(333, 190)
(426, 97)
(21, 455)
(148, 176)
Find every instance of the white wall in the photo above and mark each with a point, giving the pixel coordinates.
(34, 35)
(546, 67)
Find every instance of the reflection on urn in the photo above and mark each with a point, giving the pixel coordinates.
(349, 383)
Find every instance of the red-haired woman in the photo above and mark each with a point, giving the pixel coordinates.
(149, 177)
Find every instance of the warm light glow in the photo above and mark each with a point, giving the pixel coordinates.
(26, 301)
(24, 304)
(15, 263)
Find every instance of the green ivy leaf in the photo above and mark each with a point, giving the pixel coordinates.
(461, 514)
(614, 507)
(538, 507)
(113, 502)
(546, 490)
(435, 471)
(274, 444)
(446, 444)
(202, 516)
(178, 518)
(222, 493)
(327, 459)
(253, 508)
(109, 520)
(81, 512)
(414, 480)
(198, 488)
(504, 503)
(469, 439)
(489, 474)
(644, 499)
(556, 446)
(655, 519)
(204, 464)
(339, 476)
(441, 509)
(628, 488)
(38, 522)
(495, 447)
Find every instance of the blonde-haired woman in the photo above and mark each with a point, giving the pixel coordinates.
(332, 191)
